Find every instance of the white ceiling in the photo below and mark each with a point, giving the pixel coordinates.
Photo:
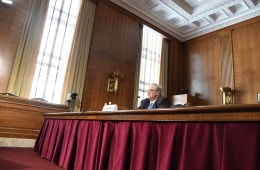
(186, 19)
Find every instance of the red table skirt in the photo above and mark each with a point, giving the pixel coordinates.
(123, 145)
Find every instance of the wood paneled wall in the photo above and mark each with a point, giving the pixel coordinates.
(114, 47)
(202, 63)
(196, 64)
(175, 71)
(12, 18)
(246, 54)
(202, 69)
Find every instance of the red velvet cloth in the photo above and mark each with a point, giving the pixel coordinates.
(123, 145)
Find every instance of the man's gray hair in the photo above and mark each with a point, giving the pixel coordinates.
(159, 87)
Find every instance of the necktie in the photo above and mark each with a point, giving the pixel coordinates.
(150, 106)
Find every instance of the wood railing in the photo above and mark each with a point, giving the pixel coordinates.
(23, 118)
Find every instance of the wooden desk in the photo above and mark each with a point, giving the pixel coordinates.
(236, 112)
(208, 137)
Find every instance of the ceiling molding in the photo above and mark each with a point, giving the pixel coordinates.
(187, 19)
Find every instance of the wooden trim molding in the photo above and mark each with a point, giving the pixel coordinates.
(28, 102)
(247, 112)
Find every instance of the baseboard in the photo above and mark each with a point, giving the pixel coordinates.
(17, 142)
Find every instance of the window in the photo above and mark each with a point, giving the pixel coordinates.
(55, 50)
(150, 60)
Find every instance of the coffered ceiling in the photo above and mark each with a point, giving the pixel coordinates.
(186, 19)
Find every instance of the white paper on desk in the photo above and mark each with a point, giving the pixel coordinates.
(110, 107)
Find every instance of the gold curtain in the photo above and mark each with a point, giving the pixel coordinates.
(138, 64)
(164, 67)
(227, 75)
(76, 70)
(28, 48)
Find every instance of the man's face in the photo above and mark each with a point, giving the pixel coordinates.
(152, 92)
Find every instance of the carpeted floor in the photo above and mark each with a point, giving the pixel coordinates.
(24, 159)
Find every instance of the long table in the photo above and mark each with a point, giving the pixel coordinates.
(203, 137)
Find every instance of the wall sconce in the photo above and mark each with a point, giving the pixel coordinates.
(227, 95)
(113, 80)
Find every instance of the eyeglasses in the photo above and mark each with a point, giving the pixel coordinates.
(151, 90)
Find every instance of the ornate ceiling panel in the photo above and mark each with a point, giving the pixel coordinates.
(186, 19)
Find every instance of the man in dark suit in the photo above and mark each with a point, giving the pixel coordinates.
(155, 99)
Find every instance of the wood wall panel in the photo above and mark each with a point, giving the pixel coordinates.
(114, 47)
(12, 18)
(175, 69)
(202, 63)
(246, 54)
(202, 69)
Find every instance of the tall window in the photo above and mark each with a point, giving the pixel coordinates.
(150, 60)
(55, 50)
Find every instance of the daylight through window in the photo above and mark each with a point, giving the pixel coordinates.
(55, 50)
(150, 60)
